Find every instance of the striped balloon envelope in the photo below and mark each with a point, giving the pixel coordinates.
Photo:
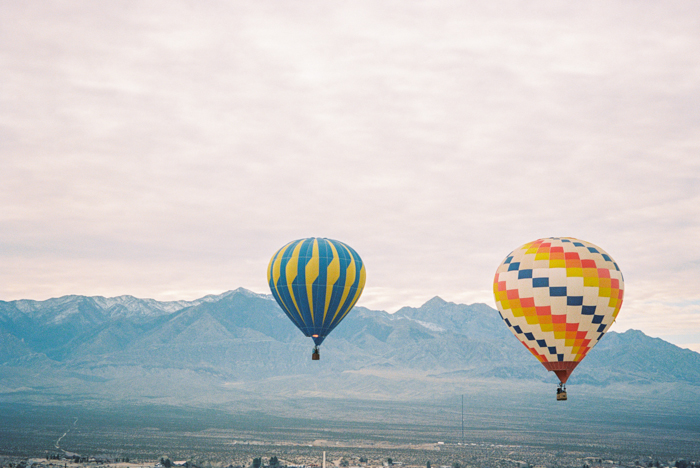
(316, 281)
(558, 296)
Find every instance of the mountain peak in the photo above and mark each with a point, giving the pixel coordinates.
(247, 293)
(435, 301)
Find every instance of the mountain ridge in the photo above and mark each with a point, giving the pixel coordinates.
(220, 347)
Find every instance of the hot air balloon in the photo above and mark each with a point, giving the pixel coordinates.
(558, 296)
(316, 281)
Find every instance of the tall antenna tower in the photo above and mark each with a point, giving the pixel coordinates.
(462, 419)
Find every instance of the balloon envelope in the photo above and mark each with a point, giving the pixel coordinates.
(558, 296)
(316, 281)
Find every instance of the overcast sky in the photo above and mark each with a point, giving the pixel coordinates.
(168, 149)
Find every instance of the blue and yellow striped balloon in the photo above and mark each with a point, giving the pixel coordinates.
(316, 281)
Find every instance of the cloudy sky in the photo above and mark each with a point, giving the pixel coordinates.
(168, 149)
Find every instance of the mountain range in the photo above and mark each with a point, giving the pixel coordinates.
(240, 347)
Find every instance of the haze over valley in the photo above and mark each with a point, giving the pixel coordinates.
(235, 363)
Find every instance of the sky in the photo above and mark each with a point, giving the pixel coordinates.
(167, 149)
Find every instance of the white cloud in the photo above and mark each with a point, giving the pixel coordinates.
(164, 149)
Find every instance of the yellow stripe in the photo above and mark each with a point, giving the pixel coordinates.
(277, 260)
(274, 269)
(332, 275)
(358, 293)
(292, 271)
(350, 273)
(269, 268)
(312, 272)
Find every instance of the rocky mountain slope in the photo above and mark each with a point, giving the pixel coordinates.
(239, 345)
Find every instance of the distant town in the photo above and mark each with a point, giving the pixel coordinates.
(437, 455)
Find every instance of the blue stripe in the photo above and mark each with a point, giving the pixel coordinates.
(339, 286)
(319, 287)
(281, 291)
(283, 298)
(299, 285)
(353, 288)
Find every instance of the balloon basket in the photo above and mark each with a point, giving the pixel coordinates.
(316, 356)
(561, 393)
